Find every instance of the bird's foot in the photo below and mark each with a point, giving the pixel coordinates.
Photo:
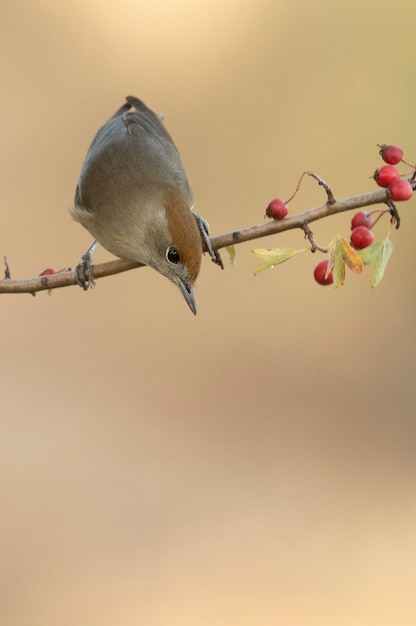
(84, 270)
(204, 230)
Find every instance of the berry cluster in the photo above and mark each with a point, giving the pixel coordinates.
(398, 189)
(361, 237)
(388, 176)
(342, 253)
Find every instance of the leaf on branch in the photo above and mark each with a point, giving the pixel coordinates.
(351, 258)
(342, 254)
(377, 255)
(273, 256)
(231, 254)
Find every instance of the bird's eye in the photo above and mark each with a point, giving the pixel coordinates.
(172, 255)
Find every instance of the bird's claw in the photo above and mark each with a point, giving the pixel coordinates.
(204, 230)
(84, 270)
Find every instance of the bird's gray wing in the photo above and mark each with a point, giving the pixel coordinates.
(147, 128)
(136, 143)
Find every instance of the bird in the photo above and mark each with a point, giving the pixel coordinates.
(134, 197)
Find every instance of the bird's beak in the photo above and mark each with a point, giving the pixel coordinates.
(188, 293)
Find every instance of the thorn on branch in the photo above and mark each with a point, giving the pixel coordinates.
(309, 235)
(7, 274)
(330, 195)
(395, 217)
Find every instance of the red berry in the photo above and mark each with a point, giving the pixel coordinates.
(391, 154)
(320, 273)
(362, 218)
(48, 270)
(385, 175)
(361, 237)
(277, 209)
(400, 189)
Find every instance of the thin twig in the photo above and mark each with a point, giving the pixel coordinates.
(320, 181)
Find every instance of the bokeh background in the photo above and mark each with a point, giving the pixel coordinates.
(252, 465)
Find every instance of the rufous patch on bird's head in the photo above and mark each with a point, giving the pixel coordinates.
(184, 231)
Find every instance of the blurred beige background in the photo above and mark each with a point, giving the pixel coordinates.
(254, 465)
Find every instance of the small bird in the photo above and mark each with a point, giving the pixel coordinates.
(134, 197)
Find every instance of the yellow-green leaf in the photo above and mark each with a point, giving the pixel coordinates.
(341, 254)
(377, 255)
(369, 254)
(351, 257)
(273, 256)
(385, 248)
(231, 254)
(336, 261)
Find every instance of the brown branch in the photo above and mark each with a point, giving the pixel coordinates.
(64, 278)
(301, 220)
